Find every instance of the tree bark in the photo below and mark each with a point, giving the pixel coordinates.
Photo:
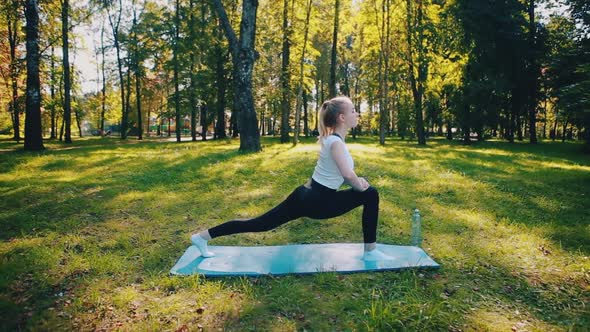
(13, 41)
(221, 83)
(233, 124)
(33, 133)
(533, 75)
(138, 105)
(115, 29)
(176, 69)
(300, 84)
(66, 68)
(204, 122)
(512, 116)
(193, 83)
(519, 127)
(104, 83)
(553, 133)
(137, 70)
(78, 124)
(563, 132)
(285, 75)
(332, 85)
(243, 57)
(357, 103)
(52, 94)
(465, 127)
(61, 130)
(449, 131)
(318, 102)
(305, 115)
(417, 84)
(383, 75)
(128, 89)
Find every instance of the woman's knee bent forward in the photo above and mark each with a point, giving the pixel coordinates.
(371, 194)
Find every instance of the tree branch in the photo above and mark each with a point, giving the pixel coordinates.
(224, 22)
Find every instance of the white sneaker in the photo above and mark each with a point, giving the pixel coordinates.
(201, 244)
(376, 255)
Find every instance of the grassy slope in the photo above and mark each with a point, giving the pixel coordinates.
(90, 231)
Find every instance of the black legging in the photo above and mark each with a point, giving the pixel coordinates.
(319, 202)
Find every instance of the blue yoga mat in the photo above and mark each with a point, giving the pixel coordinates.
(297, 259)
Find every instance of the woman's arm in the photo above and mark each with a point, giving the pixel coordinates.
(338, 154)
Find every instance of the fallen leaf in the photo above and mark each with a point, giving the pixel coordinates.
(183, 328)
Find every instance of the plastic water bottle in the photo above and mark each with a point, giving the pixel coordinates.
(416, 232)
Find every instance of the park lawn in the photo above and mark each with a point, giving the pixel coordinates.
(90, 230)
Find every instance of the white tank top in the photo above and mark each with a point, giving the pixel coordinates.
(326, 172)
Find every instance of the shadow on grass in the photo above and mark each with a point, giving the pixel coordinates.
(517, 183)
(35, 204)
(126, 189)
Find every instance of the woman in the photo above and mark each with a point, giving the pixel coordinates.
(319, 198)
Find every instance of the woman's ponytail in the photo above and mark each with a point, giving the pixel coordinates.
(329, 114)
(321, 126)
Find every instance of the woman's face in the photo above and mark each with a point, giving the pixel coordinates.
(350, 116)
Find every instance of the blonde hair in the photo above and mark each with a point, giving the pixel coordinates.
(329, 114)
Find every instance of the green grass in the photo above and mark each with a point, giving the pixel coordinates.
(90, 230)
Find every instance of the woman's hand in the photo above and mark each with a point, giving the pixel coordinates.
(364, 184)
(307, 184)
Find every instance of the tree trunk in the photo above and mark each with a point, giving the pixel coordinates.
(66, 68)
(465, 127)
(176, 69)
(357, 103)
(204, 121)
(305, 115)
(519, 127)
(243, 57)
(52, 94)
(449, 131)
(159, 126)
(220, 126)
(13, 41)
(128, 89)
(233, 124)
(103, 99)
(553, 133)
(78, 124)
(262, 119)
(138, 105)
(221, 83)
(285, 75)
(33, 131)
(137, 67)
(317, 103)
(115, 29)
(533, 75)
(300, 84)
(380, 74)
(193, 84)
(417, 84)
(512, 117)
(61, 130)
(545, 119)
(384, 61)
(563, 134)
(149, 113)
(332, 85)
